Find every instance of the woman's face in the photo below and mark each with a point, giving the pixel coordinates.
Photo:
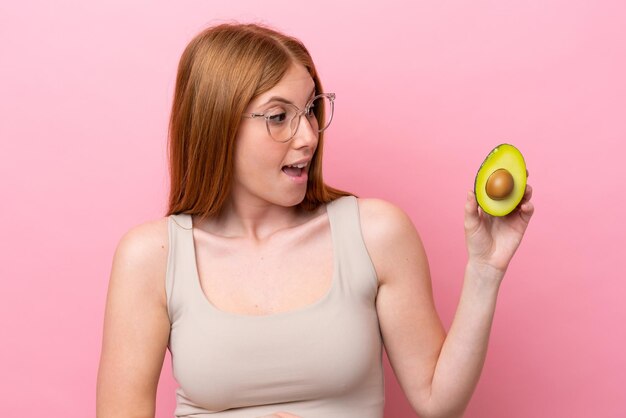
(261, 173)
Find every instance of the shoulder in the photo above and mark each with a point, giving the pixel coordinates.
(145, 241)
(389, 235)
(383, 220)
(136, 323)
(140, 258)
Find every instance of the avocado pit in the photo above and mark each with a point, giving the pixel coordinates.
(499, 185)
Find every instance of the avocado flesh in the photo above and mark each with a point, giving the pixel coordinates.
(504, 156)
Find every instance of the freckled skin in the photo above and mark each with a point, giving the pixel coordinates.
(258, 177)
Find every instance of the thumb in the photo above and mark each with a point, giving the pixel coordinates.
(472, 218)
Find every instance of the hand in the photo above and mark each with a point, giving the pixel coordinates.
(281, 415)
(491, 241)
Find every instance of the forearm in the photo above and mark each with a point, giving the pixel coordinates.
(464, 350)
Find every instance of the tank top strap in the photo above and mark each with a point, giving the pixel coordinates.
(181, 265)
(357, 273)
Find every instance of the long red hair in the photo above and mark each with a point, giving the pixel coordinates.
(221, 70)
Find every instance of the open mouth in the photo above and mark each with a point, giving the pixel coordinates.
(294, 170)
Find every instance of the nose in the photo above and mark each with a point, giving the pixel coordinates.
(306, 134)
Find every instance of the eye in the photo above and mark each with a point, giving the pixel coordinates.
(311, 110)
(277, 116)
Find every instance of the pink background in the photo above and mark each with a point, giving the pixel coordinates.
(424, 91)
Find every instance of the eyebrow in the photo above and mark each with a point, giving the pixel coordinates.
(283, 100)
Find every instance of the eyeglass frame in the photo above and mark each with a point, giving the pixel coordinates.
(299, 113)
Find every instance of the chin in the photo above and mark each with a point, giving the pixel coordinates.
(293, 200)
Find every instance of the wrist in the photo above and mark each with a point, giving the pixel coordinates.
(484, 272)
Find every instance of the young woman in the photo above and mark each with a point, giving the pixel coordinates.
(273, 292)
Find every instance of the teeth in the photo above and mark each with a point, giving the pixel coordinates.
(301, 165)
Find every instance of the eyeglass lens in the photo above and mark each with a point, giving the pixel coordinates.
(283, 121)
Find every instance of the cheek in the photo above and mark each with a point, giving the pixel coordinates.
(256, 157)
(253, 165)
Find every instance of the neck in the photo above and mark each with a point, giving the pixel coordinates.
(256, 221)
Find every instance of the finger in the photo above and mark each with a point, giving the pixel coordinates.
(526, 211)
(528, 193)
(471, 211)
(471, 204)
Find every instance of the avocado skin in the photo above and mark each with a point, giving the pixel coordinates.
(510, 158)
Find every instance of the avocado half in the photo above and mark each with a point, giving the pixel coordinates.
(501, 180)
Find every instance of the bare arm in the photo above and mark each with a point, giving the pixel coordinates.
(136, 325)
(437, 372)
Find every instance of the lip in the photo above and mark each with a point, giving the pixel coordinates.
(301, 179)
(304, 174)
(305, 160)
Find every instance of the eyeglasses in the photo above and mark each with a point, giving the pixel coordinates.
(283, 119)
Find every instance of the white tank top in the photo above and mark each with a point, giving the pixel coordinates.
(323, 360)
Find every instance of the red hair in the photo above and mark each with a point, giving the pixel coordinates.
(221, 70)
